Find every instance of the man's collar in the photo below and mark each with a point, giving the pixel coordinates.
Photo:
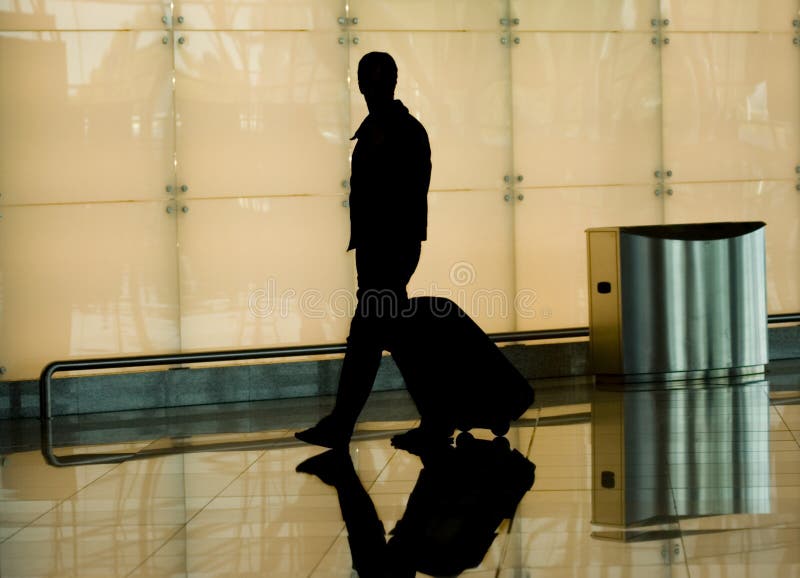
(394, 110)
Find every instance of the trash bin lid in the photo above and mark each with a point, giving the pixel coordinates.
(696, 231)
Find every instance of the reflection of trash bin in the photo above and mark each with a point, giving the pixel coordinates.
(663, 455)
(677, 301)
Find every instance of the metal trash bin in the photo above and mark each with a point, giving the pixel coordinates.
(677, 301)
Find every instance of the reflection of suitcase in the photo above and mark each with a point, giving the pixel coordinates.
(461, 497)
(455, 374)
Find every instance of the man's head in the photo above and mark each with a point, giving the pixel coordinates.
(377, 79)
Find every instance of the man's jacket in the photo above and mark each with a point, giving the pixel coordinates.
(391, 171)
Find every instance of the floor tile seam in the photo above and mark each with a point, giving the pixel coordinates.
(371, 485)
(369, 489)
(693, 560)
(157, 550)
(509, 534)
(540, 569)
(779, 526)
(327, 551)
(698, 560)
(185, 524)
(67, 498)
(247, 468)
(513, 520)
(683, 550)
(794, 525)
(104, 474)
(533, 436)
(681, 536)
(561, 491)
(36, 519)
(395, 453)
(17, 531)
(688, 532)
(783, 420)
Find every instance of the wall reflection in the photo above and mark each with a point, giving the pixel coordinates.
(659, 456)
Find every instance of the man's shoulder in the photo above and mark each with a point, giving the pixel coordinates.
(414, 123)
(414, 128)
(409, 121)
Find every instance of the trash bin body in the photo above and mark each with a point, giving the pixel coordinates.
(678, 301)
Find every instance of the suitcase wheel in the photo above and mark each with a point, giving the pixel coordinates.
(502, 443)
(501, 429)
(464, 439)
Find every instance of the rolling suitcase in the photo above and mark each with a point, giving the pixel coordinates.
(462, 495)
(457, 377)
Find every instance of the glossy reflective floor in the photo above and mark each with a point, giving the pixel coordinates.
(700, 481)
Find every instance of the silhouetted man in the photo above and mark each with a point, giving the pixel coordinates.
(390, 174)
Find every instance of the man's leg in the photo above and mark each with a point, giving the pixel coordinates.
(359, 369)
(382, 278)
(365, 532)
(361, 362)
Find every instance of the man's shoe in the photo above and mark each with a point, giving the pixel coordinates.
(328, 433)
(332, 467)
(421, 440)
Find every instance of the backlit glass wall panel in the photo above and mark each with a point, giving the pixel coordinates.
(83, 14)
(88, 256)
(426, 15)
(730, 15)
(551, 246)
(456, 84)
(260, 278)
(586, 90)
(261, 113)
(262, 163)
(184, 156)
(583, 15)
(731, 79)
(86, 280)
(453, 75)
(731, 106)
(86, 116)
(466, 257)
(319, 15)
(775, 202)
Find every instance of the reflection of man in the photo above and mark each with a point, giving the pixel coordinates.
(390, 174)
(461, 496)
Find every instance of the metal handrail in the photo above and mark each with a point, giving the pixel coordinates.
(45, 407)
(784, 318)
(167, 359)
